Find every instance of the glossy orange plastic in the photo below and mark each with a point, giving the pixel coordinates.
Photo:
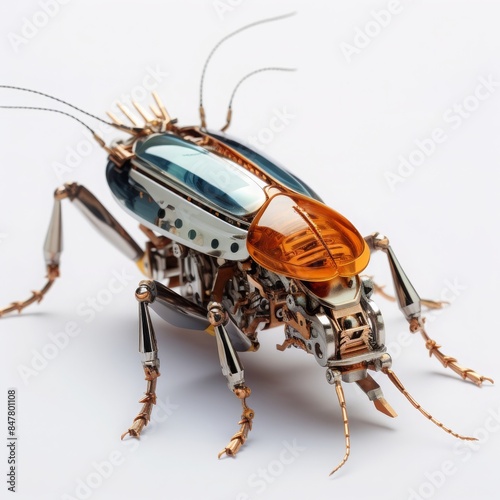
(301, 238)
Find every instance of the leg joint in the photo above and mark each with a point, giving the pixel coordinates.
(216, 314)
(146, 291)
(377, 241)
(68, 190)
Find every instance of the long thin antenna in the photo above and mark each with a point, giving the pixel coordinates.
(118, 154)
(230, 107)
(97, 137)
(31, 91)
(340, 396)
(53, 111)
(227, 37)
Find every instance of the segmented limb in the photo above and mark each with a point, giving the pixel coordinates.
(145, 294)
(447, 361)
(395, 380)
(36, 295)
(179, 312)
(52, 253)
(149, 400)
(410, 305)
(341, 398)
(97, 214)
(233, 370)
(238, 439)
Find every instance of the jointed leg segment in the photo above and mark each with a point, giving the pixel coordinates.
(447, 361)
(410, 305)
(146, 294)
(97, 214)
(232, 369)
(149, 400)
(238, 439)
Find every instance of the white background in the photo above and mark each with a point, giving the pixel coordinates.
(351, 121)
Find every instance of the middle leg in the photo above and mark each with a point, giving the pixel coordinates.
(233, 370)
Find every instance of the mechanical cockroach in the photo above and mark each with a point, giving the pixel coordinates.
(237, 245)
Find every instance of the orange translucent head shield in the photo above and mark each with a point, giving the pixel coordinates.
(301, 238)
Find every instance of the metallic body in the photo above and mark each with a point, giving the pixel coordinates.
(202, 276)
(205, 202)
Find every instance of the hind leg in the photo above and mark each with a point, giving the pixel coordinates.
(98, 216)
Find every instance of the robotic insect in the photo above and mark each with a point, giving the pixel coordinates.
(237, 245)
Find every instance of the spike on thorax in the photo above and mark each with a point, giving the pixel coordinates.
(159, 121)
(132, 118)
(145, 115)
(162, 109)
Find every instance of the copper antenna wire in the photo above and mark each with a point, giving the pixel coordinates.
(212, 52)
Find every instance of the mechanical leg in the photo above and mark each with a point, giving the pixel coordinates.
(410, 305)
(178, 311)
(145, 294)
(97, 214)
(232, 369)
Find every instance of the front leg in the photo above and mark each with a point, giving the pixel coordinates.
(145, 294)
(232, 369)
(178, 311)
(410, 305)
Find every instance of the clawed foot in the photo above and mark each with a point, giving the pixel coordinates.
(238, 439)
(149, 400)
(36, 295)
(447, 361)
(142, 418)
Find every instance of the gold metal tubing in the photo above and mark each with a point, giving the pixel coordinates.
(147, 118)
(128, 114)
(155, 111)
(228, 120)
(203, 117)
(161, 106)
(341, 398)
(401, 388)
(114, 118)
